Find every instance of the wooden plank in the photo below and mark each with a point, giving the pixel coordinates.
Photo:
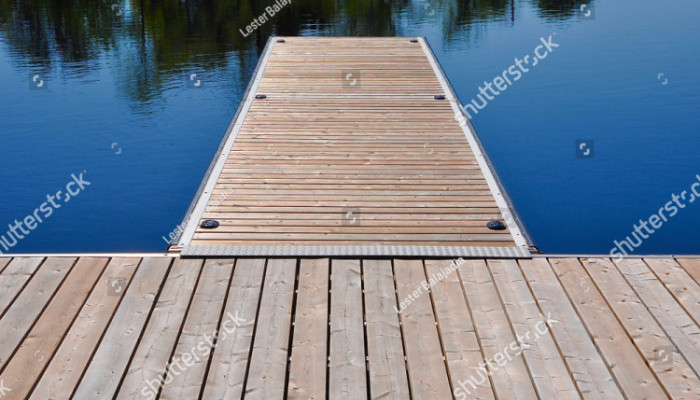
(672, 318)
(683, 288)
(692, 266)
(38, 347)
(227, 372)
(388, 377)
(20, 317)
(147, 367)
(268, 363)
(347, 374)
(13, 278)
(462, 350)
(307, 366)
(676, 375)
(110, 360)
(532, 329)
(67, 366)
(510, 377)
(588, 369)
(426, 366)
(3, 263)
(629, 369)
(199, 333)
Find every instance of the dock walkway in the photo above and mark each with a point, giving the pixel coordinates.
(350, 153)
(93, 328)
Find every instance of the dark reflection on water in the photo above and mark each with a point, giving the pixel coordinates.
(119, 102)
(164, 37)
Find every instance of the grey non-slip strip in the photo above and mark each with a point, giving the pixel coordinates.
(355, 250)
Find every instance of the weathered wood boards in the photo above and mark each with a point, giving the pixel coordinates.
(560, 328)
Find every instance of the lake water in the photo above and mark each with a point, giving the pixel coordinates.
(600, 134)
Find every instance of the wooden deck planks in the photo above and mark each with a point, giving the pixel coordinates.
(268, 363)
(677, 377)
(346, 358)
(669, 314)
(692, 266)
(532, 328)
(65, 369)
(424, 356)
(104, 327)
(510, 379)
(309, 358)
(385, 354)
(17, 272)
(109, 363)
(200, 332)
(683, 288)
(20, 317)
(588, 369)
(460, 340)
(353, 113)
(227, 371)
(147, 368)
(629, 368)
(38, 347)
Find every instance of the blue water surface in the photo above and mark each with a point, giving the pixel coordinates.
(118, 102)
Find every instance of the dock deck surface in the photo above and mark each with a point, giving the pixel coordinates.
(95, 328)
(350, 148)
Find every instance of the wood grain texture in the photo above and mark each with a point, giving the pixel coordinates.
(309, 359)
(462, 348)
(14, 276)
(425, 362)
(588, 369)
(227, 372)
(268, 363)
(681, 285)
(346, 372)
(676, 375)
(532, 329)
(665, 309)
(38, 347)
(692, 266)
(71, 359)
(93, 328)
(109, 363)
(200, 333)
(629, 369)
(385, 355)
(148, 366)
(19, 318)
(509, 375)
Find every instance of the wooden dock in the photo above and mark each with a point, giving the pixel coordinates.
(350, 153)
(94, 328)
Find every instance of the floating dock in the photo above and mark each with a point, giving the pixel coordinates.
(98, 328)
(351, 147)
